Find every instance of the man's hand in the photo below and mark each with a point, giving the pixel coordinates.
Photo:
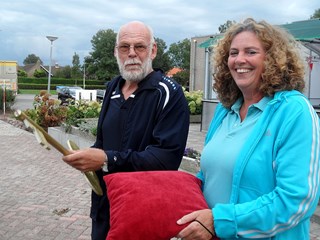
(89, 159)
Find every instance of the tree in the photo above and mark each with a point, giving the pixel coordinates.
(31, 58)
(65, 72)
(101, 64)
(162, 59)
(182, 77)
(223, 28)
(316, 14)
(179, 54)
(39, 73)
(76, 67)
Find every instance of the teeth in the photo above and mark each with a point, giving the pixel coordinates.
(242, 70)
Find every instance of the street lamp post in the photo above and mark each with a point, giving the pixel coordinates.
(84, 75)
(51, 39)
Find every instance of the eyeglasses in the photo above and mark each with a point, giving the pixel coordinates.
(125, 48)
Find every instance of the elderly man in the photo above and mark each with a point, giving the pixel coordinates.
(143, 124)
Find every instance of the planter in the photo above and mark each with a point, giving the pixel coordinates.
(82, 139)
(195, 118)
(189, 165)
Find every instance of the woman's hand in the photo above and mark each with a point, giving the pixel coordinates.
(89, 159)
(195, 230)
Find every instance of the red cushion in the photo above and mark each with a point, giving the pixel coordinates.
(147, 205)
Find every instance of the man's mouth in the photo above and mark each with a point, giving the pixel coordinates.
(133, 65)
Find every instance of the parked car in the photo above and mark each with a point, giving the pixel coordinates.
(66, 93)
(58, 88)
(100, 94)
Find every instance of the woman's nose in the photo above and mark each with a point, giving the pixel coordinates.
(240, 58)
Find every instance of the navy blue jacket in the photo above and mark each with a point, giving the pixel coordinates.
(155, 133)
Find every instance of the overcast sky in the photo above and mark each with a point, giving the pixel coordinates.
(24, 24)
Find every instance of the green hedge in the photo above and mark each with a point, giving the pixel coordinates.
(59, 81)
(53, 86)
(42, 83)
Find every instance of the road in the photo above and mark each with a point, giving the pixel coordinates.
(23, 101)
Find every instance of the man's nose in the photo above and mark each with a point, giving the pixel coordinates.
(132, 50)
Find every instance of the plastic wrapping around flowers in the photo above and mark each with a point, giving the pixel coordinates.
(45, 140)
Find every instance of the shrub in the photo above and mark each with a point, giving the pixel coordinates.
(22, 73)
(194, 99)
(39, 73)
(89, 127)
(79, 110)
(47, 112)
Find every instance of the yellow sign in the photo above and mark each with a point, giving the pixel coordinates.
(8, 75)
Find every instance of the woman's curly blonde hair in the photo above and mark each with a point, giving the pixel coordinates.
(284, 69)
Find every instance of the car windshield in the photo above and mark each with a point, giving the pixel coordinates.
(72, 90)
(75, 88)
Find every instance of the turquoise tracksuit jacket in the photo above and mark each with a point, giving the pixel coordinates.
(276, 175)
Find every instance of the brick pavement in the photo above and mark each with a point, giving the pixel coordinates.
(40, 196)
(43, 198)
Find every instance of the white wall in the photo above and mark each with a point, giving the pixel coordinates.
(315, 84)
(90, 95)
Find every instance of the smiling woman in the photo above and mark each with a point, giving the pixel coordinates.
(259, 79)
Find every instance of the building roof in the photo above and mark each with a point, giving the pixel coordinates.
(173, 71)
(211, 41)
(306, 30)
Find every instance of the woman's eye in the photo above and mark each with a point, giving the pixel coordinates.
(252, 52)
(233, 53)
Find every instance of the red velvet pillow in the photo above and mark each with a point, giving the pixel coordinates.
(147, 205)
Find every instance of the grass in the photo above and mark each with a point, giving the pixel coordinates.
(35, 92)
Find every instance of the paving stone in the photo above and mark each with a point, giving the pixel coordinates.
(35, 185)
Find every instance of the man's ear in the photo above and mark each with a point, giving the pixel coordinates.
(154, 51)
(115, 51)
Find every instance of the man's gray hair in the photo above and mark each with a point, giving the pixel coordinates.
(152, 40)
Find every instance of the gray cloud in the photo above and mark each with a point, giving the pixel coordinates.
(25, 24)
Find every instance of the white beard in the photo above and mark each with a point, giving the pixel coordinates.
(138, 73)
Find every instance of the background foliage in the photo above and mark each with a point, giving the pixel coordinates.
(9, 98)
(194, 99)
(47, 112)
